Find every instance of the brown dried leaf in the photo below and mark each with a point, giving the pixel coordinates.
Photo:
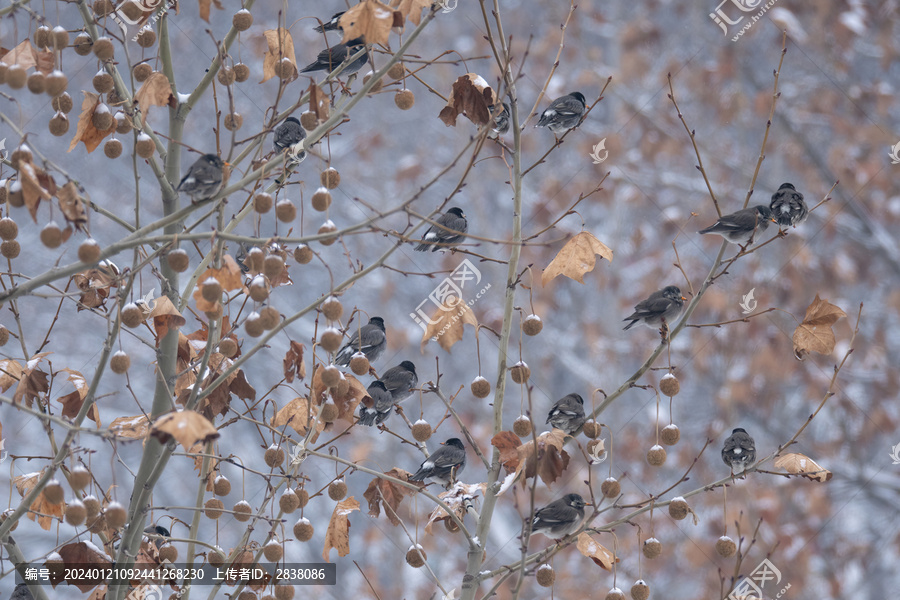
(446, 325)
(10, 373)
(548, 460)
(41, 510)
(457, 499)
(165, 317)
(33, 180)
(155, 91)
(338, 534)
(470, 96)
(45, 61)
(595, 551)
(814, 334)
(800, 464)
(347, 403)
(73, 401)
(187, 427)
(297, 414)
(32, 381)
(72, 206)
(577, 258)
(229, 277)
(370, 20)
(23, 55)
(294, 365)
(86, 132)
(281, 45)
(381, 490)
(132, 428)
(508, 444)
(319, 102)
(411, 9)
(83, 555)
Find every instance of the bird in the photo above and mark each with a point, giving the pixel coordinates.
(740, 227)
(567, 414)
(501, 121)
(204, 178)
(371, 341)
(22, 592)
(331, 24)
(449, 231)
(788, 206)
(400, 380)
(331, 58)
(664, 305)
(559, 518)
(445, 463)
(739, 451)
(382, 403)
(288, 133)
(563, 113)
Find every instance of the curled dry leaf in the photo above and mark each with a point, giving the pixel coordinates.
(338, 534)
(597, 454)
(229, 277)
(165, 317)
(470, 96)
(281, 45)
(297, 414)
(547, 459)
(86, 132)
(72, 206)
(458, 498)
(37, 185)
(370, 20)
(319, 102)
(81, 555)
(381, 490)
(10, 373)
(446, 324)
(596, 552)
(507, 443)
(205, 5)
(294, 365)
(187, 427)
(814, 334)
(23, 55)
(73, 401)
(411, 9)
(32, 382)
(132, 428)
(576, 258)
(41, 510)
(155, 91)
(95, 285)
(800, 464)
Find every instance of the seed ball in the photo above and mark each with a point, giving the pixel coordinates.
(303, 530)
(60, 37)
(270, 318)
(75, 513)
(522, 426)
(678, 509)
(255, 259)
(592, 429)
(242, 511)
(331, 375)
(262, 202)
(4, 335)
(116, 515)
(285, 69)
(330, 178)
(396, 71)
(303, 254)
(146, 38)
(103, 82)
(611, 488)
(216, 557)
(668, 385)
(656, 456)
(342, 388)
(284, 592)
(51, 235)
(10, 249)
(14, 195)
(42, 37)
(532, 325)
(421, 430)
(103, 48)
(102, 118)
(285, 211)
(480, 387)
(142, 72)
(98, 525)
(329, 411)
(211, 289)
(103, 7)
(144, 146)
(221, 486)
(59, 124)
(112, 148)
(178, 260)
(273, 265)
(241, 72)
(652, 548)
(62, 103)
(415, 556)
(376, 87)
(404, 99)
(273, 551)
(37, 83)
(726, 547)
(21, 154)
(242, 20)
(168, 553)
(253, 325)
(82, 44)
(670, 435)
(123, 126)
(309, 120)
(57, 82)
(259, 289)
(303, 496)
(233, 121)
(5, 516)
(213, 508)
(321, 199)
(545, 575)
(331, 307)
(288, 502)
(337, 490)
(119, 362)
(16, 77)
(330, 340)
(359, 364)
(53, 492)
(225, 75)
(520, 372)
(326, 228)
(228, 347)
(9, 230)
(92, 506)
(640, 590)
(88, 251)
(615, 594)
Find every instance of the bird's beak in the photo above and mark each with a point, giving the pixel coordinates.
(683, 298)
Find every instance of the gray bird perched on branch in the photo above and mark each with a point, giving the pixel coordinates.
(400, 380)
(444, 464)
(449, 231)
(501, 121)
(788, 207)
(739, 451)
(204, 179)
(564, 113)
(331, 58)
(664, 305)
(371, 340)
(567, 414)
(394, 386)
(331, 24)
(288, 133)
(559, 518)
(382, 403)
(741, 226)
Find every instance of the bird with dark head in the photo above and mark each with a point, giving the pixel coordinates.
(564, 113)
(741, 227)
(332, 24)
(331, 58)
(371, 340)
(288, 133)
(567, 414)
(449, 231)
(559, 518)
(204, 179)
(788, 207)
(501, 121)
(444, 465)
(400, 380)
(661, 307)
(382, 403)
(739, 451)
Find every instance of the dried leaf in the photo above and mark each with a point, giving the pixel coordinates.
(507, 443)
(446, 324)
(132, 428)
(229, 277)
(155, 91)
(72, 206)
(297, 414)
(81, 555)
(370, 20)
(294, 365)
(86, 132)
(458, 498)
(800, 464)
(32, 381)
(281, 45)
(548, 459)
(10, 373)
(319, 102)
(577, 258)
(596, 552)
(411, 9)
(73, 401)
(41, 510)
(45, 61)
(814, 334)
(338, 534)
(23, 55)
(33, 180)
(187, 427)
(470, 96)
(165, 317)
(381, 490)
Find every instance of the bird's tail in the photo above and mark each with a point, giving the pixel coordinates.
(367, 417)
